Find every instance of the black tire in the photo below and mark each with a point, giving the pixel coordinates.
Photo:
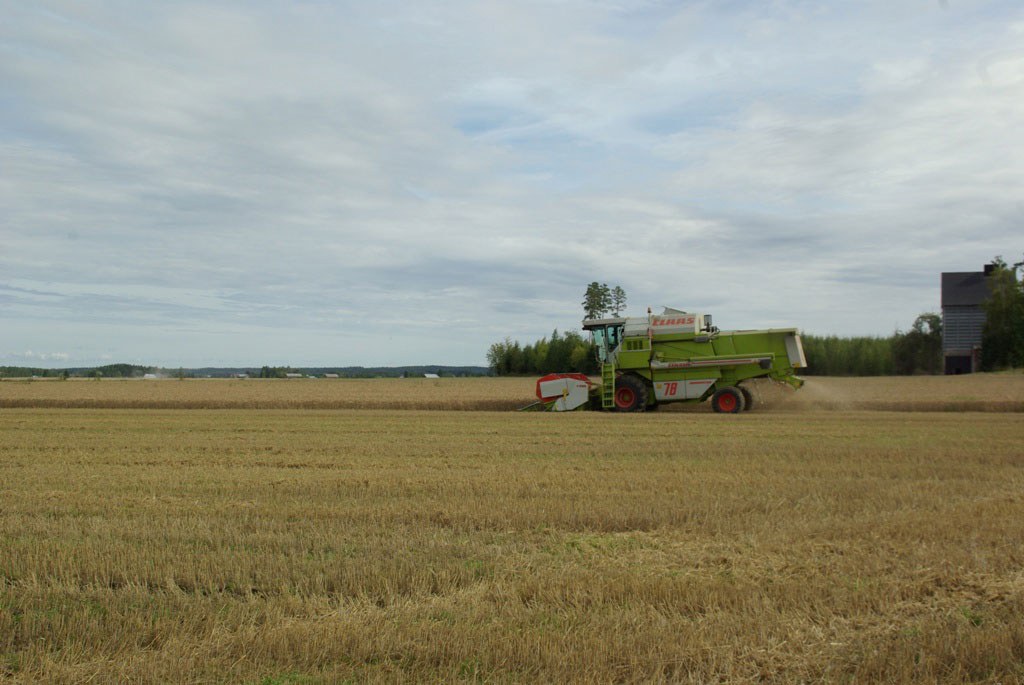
(630, 394)
(748, 398)
(728, 400)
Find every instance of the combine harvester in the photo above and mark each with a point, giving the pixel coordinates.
(673, 357)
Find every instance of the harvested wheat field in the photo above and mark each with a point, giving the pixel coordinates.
(978, 392)
(447, 394)
(307, 546)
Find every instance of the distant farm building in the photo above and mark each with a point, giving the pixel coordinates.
(293, 375)
(431, 375)
(331, 375)
(963, 318)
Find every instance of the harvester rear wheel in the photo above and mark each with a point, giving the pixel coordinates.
(630, 394)
(748, 398)
(727, 401)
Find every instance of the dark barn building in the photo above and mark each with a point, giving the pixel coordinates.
(963, 318)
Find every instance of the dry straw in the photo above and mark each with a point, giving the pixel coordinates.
(324, 546)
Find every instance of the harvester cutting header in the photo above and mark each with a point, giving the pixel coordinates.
(674, 357)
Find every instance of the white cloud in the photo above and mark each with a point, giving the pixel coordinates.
(28, 356)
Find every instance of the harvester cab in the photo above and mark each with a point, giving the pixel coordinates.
(607, 336)
(675, 356)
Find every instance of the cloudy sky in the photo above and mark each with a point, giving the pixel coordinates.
(382, 183)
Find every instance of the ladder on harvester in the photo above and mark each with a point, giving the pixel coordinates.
(607, 386)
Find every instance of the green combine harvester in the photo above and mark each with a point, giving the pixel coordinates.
(673, 357)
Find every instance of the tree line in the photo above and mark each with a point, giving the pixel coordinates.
(108, 371)
(1002, 342)
(561, 353)
(904, 353)
(557, 354)
(121, 371)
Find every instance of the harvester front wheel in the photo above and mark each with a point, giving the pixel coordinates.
(727, 401)
(748, 399)
(630, 394)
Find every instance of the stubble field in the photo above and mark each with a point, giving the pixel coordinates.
(814, 540)
(979, 392)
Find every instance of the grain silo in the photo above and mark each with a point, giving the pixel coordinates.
(963, 318)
